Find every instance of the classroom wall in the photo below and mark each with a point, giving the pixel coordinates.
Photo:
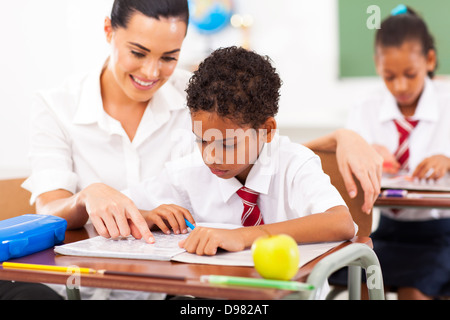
(45, 41)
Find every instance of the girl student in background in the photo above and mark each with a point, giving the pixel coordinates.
(407, 121)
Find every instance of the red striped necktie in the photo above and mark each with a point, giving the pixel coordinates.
(251, 216)
(404, 128)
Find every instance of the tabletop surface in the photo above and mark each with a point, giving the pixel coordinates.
(425, 202)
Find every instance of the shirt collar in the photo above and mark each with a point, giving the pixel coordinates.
(427, 108)
(260, 176)
(90, 104)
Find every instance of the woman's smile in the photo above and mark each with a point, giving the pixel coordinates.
(143, 84)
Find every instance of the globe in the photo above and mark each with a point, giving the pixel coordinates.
(210, 16)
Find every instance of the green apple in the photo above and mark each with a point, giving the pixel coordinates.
(276, 256)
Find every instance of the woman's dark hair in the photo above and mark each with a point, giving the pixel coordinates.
(122, 10)
(236, 84)
(397, 29)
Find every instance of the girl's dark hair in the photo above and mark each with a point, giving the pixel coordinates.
(236, 84)
(122, 10)
(397, 29)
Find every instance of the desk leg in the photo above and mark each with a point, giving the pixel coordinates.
(356, 254)
(354, 283)
(73, 293)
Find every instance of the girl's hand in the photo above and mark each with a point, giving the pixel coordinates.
(390, 163)
(205, 241)
(169, 216)
(434, 167)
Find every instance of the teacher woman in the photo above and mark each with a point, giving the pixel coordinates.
(119, 125)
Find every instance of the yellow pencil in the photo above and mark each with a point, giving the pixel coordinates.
(41, 267)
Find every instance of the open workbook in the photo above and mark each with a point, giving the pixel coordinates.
(405, 182)
(166, 248)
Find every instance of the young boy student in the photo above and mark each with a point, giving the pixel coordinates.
(408, 122)
(245, 173)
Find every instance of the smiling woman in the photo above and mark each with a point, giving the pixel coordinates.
(104, 126)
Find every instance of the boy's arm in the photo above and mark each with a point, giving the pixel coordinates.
(355, 157)
(335, 224)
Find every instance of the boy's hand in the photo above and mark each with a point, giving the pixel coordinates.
(169, 216)
(434, 167)
(205, 241)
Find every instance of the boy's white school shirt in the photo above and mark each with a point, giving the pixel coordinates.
(75, 143)
(372, 117)
(288, 177)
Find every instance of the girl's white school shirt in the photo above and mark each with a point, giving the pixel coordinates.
(372, 117)
(75, 143)
(288, 177)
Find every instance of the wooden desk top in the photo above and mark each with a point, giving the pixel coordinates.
(192, 272)
(394, 202)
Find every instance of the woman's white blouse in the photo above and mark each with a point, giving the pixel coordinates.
(75, 143)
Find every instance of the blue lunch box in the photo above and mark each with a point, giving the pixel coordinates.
(29, 233)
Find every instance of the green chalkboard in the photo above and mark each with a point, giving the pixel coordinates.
(356, 40)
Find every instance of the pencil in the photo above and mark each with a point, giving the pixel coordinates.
(256, 282)
(190, 225)
(41, 267)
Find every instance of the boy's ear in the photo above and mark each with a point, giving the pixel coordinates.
(431, 60)
(269, 129)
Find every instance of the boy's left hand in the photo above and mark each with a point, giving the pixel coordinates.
(205, 241)
(169, 216)
(434, 167)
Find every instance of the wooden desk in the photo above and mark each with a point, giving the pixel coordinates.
(192, 272)
(393, 202)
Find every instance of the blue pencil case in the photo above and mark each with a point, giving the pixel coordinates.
(30, 233)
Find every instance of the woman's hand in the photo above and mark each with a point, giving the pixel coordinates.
(355, 156)
(206, 241)
(434, 167)
(169, 216)
(112, 213)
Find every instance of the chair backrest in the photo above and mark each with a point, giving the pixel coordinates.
(330, 167)
(14, 200)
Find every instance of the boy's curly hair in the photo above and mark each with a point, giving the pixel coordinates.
(237, 84)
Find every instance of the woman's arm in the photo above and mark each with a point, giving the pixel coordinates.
(355, 157)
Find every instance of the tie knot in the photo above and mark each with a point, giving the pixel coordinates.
(405, 126)
(248, 195)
